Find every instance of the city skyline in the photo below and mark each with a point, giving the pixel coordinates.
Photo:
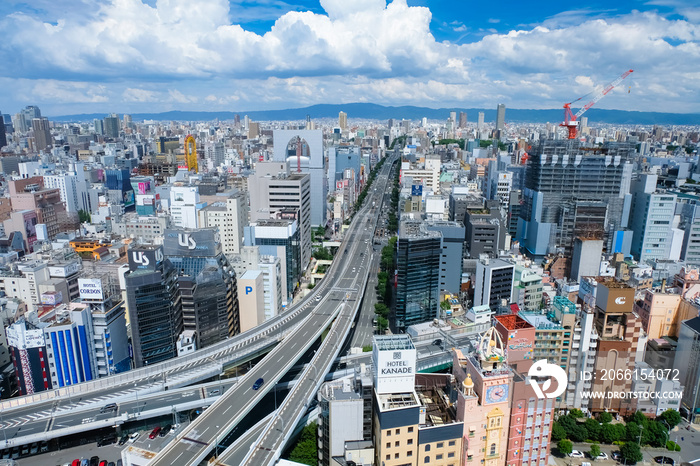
(151, 56)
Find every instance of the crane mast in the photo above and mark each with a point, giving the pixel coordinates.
(570, 119)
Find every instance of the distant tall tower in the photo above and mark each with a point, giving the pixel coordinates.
(111, 126)
(462, 120)
(480, 122)
(501, 117)
(127, 121)
(42, 133)
(343, 120)
(3, 138)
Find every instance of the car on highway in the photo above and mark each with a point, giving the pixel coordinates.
(318, 297)
(154, 433)
(664, 460)
(133, 437)
(601, 456)
(576, 454)
(258, 383)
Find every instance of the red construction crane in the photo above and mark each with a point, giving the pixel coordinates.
(570, 119)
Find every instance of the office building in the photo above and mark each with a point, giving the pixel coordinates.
(484, 229)
(462, 120)
(340, 159)
(480, 121)
(314, 164)
(690, 225)
(3, 136)
(343, 121)
(154, 306)
(493, 283)
(651, 220)
(275, 192)
(501, 117)
(279, 238)
(417, 298)
(111, 126)
(184, 206)
(527, 288)
(345, 414)
(452, 253)
(572, 190)
(658, 313)
(99, 126)
(206, 282)
(586, 257)
(30, 194)
(687, 364)
(230, 216)
(42, 133)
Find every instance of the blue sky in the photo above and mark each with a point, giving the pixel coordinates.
(83, 56)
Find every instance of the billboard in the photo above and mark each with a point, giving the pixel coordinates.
(129, 198)
(614, 298)
(145, 258)
(18, 336)
(144, 187)
(197, 243)
(395, 371)
(416, 190)
(90, 288)
(63, 271)
(51, 298)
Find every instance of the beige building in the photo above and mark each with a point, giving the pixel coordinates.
(251, 299)
(658, 312)
(229, 215)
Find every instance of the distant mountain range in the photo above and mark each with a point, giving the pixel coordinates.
(380, 112)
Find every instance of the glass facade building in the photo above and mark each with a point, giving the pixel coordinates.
(417, 297)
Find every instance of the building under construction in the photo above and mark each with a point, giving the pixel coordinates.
(573, 189)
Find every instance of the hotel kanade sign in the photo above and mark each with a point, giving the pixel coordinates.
(395, 371)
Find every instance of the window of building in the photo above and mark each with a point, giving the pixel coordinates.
(438, 457)
(388, 444)
(410, 429)
(427, 448)
(492, 450)
(451, 443)
(451, 454)
(426, 459)
(410, 441)
(439, 445)
(388, 457)
(396, 444)
(396, 456)
(398, 431)
(409, 453)
(388, 433)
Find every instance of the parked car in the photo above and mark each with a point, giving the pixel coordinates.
(133, 437)
(75, 463)
(95, 461)
(601, 456)
(154, 433)
(576, 454)
(664, 460)
(616, 455)
(123, 440)
(165, 431)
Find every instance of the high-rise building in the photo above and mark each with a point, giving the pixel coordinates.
(485, 233)
(341, 158)
(185, 206)
(480, 121)
(586, 257)
(70, 348)
(313, 163)
(501, 117)
(230, 216)
(651, 219)
(418, 255)
(99, 126)
(3, 137)
(279, 238)
(687, 363)
(462, 120)
(154, 306)
(206, 282)
(111, 126)
(253, 130)
(277, 193)
(343, 120)
(30, 112)
(451, 255)
(42, 133)
(494, 282)
(690, 224)
(252, 299)
(572, 191)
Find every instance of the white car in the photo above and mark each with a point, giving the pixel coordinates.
(601, 456)
(133, 437)
(575, 454)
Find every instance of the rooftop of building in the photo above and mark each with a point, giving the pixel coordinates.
(540, 321)
(416, 229)
(693, 324)
(393, 342)
(340, 390)
(513, 322)
(273, 222)
(611, 282)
